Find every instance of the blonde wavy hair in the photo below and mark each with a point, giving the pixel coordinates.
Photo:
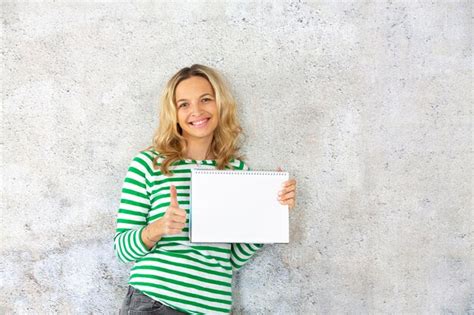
(168, 140)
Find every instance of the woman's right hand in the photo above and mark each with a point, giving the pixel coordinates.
(172, 222)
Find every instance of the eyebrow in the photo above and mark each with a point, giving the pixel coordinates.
(183, 99)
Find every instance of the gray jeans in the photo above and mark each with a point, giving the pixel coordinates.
(137, 303)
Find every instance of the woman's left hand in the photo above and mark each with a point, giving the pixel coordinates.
(287, 196)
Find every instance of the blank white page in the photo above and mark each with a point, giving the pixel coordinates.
(237, 207)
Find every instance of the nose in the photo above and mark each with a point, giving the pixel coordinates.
(195, 108)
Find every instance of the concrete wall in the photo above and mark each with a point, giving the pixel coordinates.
(367, 104)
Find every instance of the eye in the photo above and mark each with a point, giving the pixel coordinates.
(182, 104)
(206, 99)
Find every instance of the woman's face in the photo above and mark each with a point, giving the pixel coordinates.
(197, 108)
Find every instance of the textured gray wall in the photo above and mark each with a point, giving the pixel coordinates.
(368, 105)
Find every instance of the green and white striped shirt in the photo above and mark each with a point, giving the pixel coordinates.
(192, 278)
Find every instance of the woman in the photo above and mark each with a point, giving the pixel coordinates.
(198, 126)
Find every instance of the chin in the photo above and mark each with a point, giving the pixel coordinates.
(199, 134)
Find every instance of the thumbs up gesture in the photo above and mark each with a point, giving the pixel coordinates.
(172, 222)
(174, 219)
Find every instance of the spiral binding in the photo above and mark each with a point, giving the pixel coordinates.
(233, 172)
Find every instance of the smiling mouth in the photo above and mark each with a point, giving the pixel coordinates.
(199, 123)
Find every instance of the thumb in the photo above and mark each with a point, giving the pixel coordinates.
(174, 197)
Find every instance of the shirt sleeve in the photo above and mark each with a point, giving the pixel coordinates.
(242, 252)
(132, 213)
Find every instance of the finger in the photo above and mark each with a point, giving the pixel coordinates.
(284, 192)
(173, 197)
(178, 212)
(178, 218)
(289, 182)
(176, 226)
(289, 195)
(287, 189)
(287, 201)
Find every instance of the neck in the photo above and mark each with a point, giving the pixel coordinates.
(199, 149)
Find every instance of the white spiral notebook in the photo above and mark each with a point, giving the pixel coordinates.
(237, 207)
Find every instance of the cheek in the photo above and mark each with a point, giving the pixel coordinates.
(181, 119)
(215, 112)
(215, 116)
(216, 123)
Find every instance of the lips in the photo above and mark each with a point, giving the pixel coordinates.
(200, 122)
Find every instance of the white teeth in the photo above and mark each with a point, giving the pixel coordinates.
(198, 123)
